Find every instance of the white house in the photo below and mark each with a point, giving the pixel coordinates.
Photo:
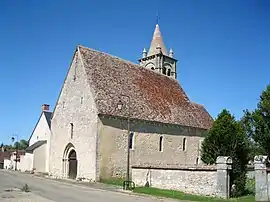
(37, 154)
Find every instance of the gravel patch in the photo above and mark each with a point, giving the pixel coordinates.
(16, 195)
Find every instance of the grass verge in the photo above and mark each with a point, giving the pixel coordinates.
(113, 181)
(183, 196)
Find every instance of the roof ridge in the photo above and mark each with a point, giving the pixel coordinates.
(98, 51)
(127, 61)
(201, 105)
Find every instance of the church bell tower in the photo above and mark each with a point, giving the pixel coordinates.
(157, 57)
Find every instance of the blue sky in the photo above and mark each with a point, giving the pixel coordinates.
(222, 49)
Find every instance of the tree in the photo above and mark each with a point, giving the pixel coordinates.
(257, 123)
(21, 145)
(227, 138)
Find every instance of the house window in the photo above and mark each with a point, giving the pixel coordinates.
(161, 143)
(184, 144)
(81, 100)
(131, 141)
(152, 68)
(71, 130)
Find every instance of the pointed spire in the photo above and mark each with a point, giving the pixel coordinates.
(171, 53)
(144, 53)
(157, 40)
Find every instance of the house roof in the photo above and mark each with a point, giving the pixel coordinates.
(153, 96)
(48, 116)
(4, 155)
(35, 145)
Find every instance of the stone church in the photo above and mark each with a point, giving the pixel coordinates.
(104, 96)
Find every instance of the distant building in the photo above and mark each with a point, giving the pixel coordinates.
(37, 154)
(13, 161)
(4, 155)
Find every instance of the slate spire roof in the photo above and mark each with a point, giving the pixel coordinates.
(152, 96)
(157, 40)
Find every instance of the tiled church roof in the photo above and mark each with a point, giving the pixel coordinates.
(153, 96)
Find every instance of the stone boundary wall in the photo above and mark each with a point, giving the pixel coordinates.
(262, 178)
(200, 180)
(250, 172)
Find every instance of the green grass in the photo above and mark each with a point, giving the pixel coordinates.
(183, 196)
(113, 181)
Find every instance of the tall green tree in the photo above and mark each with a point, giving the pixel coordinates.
(21, 145)
(257, 123)
(227, 138)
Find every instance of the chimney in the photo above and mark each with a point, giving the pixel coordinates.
(45, 107)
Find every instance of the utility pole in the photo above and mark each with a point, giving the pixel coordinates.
(16, 149)
(120, 105)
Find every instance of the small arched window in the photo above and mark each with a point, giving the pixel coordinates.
(161, 143)
(71, 130)
(152, 68)
(169, 72)
(184, 144)
(164, 70)
(131, 141)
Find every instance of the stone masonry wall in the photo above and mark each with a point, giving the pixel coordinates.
(113, 145)
(75, 105)
(201, 180)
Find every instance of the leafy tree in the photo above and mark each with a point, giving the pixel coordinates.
(257, 123)
(21, 145)
(227, 138)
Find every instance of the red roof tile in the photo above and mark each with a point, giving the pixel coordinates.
(153, 96)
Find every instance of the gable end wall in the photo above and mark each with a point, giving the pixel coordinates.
(75, 105)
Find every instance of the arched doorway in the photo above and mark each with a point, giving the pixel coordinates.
(72, 164)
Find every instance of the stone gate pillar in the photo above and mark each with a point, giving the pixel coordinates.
(261, 188)
(224, 165)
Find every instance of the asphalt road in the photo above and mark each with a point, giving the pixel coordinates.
(65, 192)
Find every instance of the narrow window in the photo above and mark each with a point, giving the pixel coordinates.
(161, 143)
(71, 130)
(184, 144)
(169, 72)
(131, 141)
(197, 160)
(75, 70)
(63, 104)
(164, 70)
(81, 100)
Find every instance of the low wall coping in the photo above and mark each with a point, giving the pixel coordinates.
(177, 167)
